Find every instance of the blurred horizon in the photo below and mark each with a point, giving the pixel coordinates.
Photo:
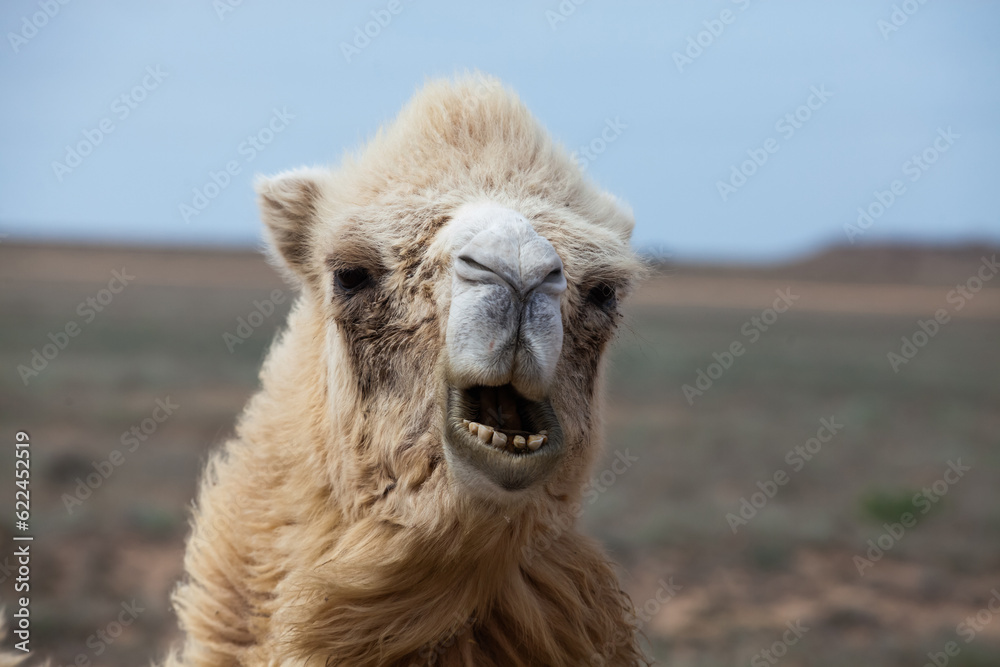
(655, 253)
(737, 130)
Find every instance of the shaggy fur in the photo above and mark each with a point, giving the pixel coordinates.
(329, 531)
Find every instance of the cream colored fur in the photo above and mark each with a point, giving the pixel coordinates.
(330, 530)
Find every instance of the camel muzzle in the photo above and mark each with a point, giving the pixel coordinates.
(504, 322)
(503, 342)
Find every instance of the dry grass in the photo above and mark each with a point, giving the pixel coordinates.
(663, 517)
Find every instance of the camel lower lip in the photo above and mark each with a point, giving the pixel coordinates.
(510, 465)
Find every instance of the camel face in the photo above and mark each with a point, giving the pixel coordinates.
(407, 477)
(464, 279)
(504, 339)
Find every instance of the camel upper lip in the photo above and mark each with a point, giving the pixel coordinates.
(501, 409)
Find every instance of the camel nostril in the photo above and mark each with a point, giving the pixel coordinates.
(520, 281)
(555, 279)
(506, 249)
(474, 264)
(486, 270)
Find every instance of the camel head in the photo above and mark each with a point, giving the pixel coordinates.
(461, 280)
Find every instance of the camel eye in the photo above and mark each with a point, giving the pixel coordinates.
(350, 281)
(603, 295)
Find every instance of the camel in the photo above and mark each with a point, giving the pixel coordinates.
(403, 488)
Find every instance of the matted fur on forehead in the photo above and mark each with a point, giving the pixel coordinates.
(455, 142)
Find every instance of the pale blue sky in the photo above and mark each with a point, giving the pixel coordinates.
(683, 130)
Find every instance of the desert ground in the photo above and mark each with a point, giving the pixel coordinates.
(806, 501)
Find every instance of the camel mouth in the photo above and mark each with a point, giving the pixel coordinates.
(512, 440)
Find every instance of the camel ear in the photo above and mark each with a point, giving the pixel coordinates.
(289, 203)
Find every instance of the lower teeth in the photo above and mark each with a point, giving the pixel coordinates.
(536, 441)
(490, 436)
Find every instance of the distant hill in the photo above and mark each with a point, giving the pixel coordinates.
(937, 266)
(894, 264)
